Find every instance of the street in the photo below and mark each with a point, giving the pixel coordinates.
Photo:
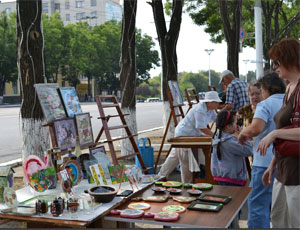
(149, 115)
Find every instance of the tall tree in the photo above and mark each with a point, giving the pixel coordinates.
(8, 54)
(168, 42)
(31, 71)
(128, 70)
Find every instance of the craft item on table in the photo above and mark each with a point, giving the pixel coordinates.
(166, 216)
(103, 193)
(147, 179)
(159, 183)
(149, 214)
(136, 172)
(174, 190)
(194, 192)
(204, 206)
(184, 199)
(87, 164)
(40, 180)
(74, 171)
(115, 212)
(6, 179)
(70, 101)
(173, 184)
(24, 211)
(84, 128)
(215, 198)
(32, 201)
(96, 174)
(10, 197)
(203, 186)
(32, 163)
(116, 173)
(41, 207)
(55, 208)
(173, 208)
(102, 174)
(122, 174)
(188, 185)
(50, 101)
(50, 172)
(83, 157)
(73, 205)
(159, 189)
(156, 198)
(131, 213)
(140, 206)
(65, 181)
(139, 198)
(130, 178)
(99, 154)
(65, 133)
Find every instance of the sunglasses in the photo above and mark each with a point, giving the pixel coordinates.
(275, 64)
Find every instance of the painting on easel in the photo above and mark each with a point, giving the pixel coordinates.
(175, 92)
(70, 100)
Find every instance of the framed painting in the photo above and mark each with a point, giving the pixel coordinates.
(117, 173)
(65, 133)
(70, 101)
(175, 92)
(50, 101)
(99, 154)
(84, 128)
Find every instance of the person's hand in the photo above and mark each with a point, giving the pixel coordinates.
(267, 177)
(242, 138)
(265, 143)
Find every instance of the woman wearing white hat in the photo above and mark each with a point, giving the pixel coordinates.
(194, 124)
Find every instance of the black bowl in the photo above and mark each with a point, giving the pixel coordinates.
(103, 193)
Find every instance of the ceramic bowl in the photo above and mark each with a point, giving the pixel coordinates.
(103, 193)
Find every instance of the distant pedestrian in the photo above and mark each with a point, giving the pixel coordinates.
(85, 97)
(236, 91)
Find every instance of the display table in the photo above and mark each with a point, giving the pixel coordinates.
(81, 220)
(190, 218)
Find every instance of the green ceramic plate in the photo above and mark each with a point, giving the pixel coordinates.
(172, 184)
(203, 186)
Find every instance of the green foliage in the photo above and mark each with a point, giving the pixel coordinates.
(8, 50)
(150, 89)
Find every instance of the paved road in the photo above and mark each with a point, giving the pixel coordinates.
(149, 115)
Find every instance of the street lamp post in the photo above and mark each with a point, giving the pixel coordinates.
(246, 61)
(209, 51)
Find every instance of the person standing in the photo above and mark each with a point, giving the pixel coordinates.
(236, 91)
(259, 201)
(286, 188)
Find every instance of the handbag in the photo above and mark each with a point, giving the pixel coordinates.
(288, 147)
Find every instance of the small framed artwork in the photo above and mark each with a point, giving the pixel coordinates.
(65, 133)
(215, 198)
(117, 174)
(204, 206)
(50, 101)
(70, 101)
(175, 92)
(84, 128)
(99, 154)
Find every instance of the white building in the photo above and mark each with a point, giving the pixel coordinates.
(95, 12)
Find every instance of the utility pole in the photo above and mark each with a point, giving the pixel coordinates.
(246, 62)
(258, 39)
(209, 51)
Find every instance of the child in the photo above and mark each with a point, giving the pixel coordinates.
(228, 165)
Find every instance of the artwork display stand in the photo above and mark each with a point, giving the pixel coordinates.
(191, 94)
(106, 129)
(187, 142)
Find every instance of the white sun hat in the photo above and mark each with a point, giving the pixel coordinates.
(225, 73)
(211, 96)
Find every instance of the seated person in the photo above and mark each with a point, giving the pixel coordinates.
(194, 124)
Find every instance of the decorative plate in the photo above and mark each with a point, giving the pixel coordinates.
(203, 186)
(74, 172)
(166, 216)
(158, 189)
(131, 213)
(159, 183)
(156, 198)
(174, 190)
(188, 185)
(40, 180)
(173, 184)
(32, 163)
(194, 192)
(139, 206)
(173, 208)
(149, 214)
(10, 197)
(183, 199)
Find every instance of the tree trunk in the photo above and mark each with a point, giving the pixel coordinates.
(232, 33)
(128, 72)
(31, 71)
(168, 43)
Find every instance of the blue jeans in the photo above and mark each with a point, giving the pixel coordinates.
(227, 183)
(259, 200)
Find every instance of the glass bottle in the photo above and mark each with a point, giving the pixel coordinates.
(77, 150)
(51, 170)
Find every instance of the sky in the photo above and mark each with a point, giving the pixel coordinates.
(192, 42)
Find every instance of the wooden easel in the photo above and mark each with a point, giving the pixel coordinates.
(212, 88)
(106, 129)
(187, 142)
(191, 94)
